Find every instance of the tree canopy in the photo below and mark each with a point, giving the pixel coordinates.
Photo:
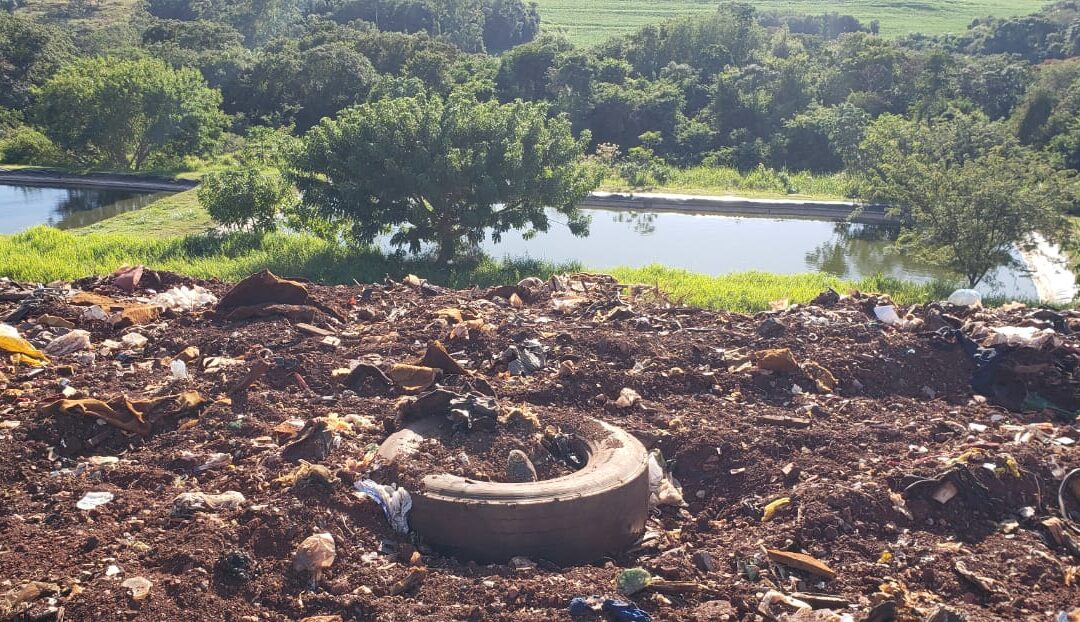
(125, 113)
(966, 191)
(447, 172)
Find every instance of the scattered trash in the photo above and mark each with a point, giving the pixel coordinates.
(411, 581)
(413, 378)
(887, 315)
(802, 562)
(178, 369)
(94, 500)
(138, 588)
(664, 489)
(23, 351)
(236, 566)
(773, 507)
(184, 298)
(188, 503)
(628, 398)
(66, 344)
(527, 358)
(315, 554)
(632, 580)
(775, 604)
(395, 502)
(615, 610)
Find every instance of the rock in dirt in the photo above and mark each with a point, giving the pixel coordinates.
(779, 360)
(714, 611)
(519, 469)
(315, 554)
(66, 344)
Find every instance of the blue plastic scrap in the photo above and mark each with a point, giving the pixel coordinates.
(616, 610)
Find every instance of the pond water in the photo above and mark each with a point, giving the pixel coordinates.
(707, 243)
(22, 207)
(714, 244)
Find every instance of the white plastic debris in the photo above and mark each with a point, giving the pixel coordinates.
(184, 299)
(7, 330)
(627, 398)
(966, 298)
(138, 588)
(74, 341)
(887, 315)
(134, 340)
(188, 503)
(214, 461)
(395, 502)
(664, 489)
(179, 370)
(1019, 336)
(94, 500)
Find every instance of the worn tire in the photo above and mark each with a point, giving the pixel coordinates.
(596, 511)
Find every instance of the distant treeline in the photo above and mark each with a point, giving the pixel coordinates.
(738, 87)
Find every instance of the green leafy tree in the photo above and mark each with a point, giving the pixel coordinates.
(247, 197)
(443, 172)
(124, 113)
(30, 52)
(966, 191)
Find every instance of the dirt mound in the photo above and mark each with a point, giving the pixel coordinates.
(919, 462)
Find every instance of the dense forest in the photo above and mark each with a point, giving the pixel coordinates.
(257, 82)
(738, 88)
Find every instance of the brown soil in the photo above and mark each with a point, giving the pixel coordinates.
(737, 438)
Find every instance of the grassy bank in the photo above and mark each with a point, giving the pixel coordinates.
(758, 183)
(44, 254)
(175, 215)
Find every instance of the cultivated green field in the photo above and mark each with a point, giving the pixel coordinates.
(592, 21)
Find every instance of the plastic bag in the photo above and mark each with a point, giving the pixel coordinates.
(395, 502)
(663, 488)
(887, 315)
(966, 298)
(10, 341)
(184, 299)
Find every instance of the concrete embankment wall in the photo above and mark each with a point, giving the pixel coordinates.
(105, 181)
(740, 206)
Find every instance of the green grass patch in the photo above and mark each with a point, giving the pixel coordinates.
(43, 254)
(591, 22)
(753, 291)
(175, 215)
(760, 182)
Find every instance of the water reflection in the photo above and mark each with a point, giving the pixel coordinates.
(714, 244)
(22, 207)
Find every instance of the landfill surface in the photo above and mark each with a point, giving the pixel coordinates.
(195, 453)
